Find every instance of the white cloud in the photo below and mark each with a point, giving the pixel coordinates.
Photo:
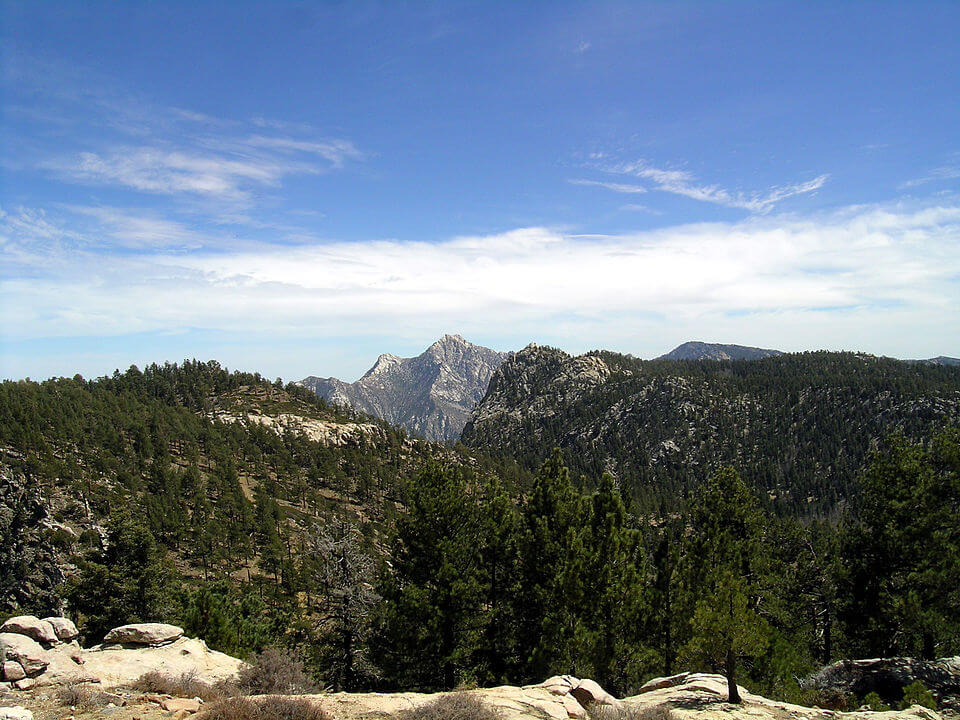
(682, 182)
(894, 264)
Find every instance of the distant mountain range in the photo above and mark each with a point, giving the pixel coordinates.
(434, 394)
(717, 351)
(431, 395)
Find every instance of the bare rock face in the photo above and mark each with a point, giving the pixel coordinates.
(143, 634)
(431, 395)
(40, 630)
(24, 650)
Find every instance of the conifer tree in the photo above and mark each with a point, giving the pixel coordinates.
(432, 609)
(721, 556)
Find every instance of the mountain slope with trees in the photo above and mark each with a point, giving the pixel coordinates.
(800, 427)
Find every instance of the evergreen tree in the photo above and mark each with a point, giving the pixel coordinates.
(721, 557)
(432, 610)
(552, 526)
(903, 551)
(127, 580)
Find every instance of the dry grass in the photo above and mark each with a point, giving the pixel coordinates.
(267, 708)
(185, 686)
(629, 712)
(84, 697)
(454, 706)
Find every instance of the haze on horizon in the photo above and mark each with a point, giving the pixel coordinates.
(296, 188)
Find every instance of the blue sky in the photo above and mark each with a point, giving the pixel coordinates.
(296, 187)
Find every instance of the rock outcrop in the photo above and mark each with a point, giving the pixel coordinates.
(40, 630)
(430, 395)
(127, 653)
(31, 570)
(888, 676)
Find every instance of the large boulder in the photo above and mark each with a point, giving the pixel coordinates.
(143, 634)
(888, 676)
(64, 628)
(40, 630)
(25, 651)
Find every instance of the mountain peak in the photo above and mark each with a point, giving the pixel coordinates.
(695, 350)
(431, 394)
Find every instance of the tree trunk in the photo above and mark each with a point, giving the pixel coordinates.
(733, 694)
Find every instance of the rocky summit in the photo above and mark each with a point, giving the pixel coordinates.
(430, 395)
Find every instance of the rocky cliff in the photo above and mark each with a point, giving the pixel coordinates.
(431, 395)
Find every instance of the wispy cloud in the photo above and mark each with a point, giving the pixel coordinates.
(946, 172)
(616, 187)
(686, 184)
(230, 173)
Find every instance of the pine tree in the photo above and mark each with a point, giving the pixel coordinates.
(432, 610)
(721, 556)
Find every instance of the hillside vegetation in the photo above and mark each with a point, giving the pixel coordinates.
(254, 514)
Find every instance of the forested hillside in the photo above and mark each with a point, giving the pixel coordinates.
(193, 493)
(800, 427)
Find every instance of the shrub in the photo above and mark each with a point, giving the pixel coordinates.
(453, 706)
(267, 708)
(629, 712)
(831, 699)
(275, 671)
(916, 693)
(186, 685)
(83, 697)
(875, 703)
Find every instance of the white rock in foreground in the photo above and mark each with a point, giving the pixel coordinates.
(143, 634)
(115, 666)
(15, 713)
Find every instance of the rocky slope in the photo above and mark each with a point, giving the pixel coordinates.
(431, 395)
(800, 427)
(717, 351)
